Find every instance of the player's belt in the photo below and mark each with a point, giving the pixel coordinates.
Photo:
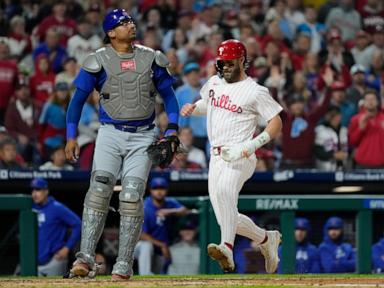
(216, 150)
(131, 129)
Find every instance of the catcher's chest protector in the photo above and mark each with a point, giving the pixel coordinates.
(128, 93)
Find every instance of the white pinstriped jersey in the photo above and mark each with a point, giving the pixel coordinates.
(233, 109)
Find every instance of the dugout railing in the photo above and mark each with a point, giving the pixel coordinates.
(287, 206)
(27, 230)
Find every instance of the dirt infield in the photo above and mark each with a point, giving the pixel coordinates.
(204, 281)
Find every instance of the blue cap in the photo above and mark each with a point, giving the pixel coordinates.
(113, 18)
(334, 223)
(158, 182)
(39, 183)
(302, 224)
(188, 225)
(193, 66)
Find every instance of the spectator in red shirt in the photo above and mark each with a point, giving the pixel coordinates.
(278, 75)
(253, 52)
(181, 162)
(378, 37)
(66, 27)
(299, 87)
(299, 129)
(336, 56)
(372, 15)
(94, 16)
(366, 133)
(275, 34)
(8, 77)
(209, 51)
(302, 48)
(21, 121)
(42, 81)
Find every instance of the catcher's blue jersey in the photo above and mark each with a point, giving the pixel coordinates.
(85, 82)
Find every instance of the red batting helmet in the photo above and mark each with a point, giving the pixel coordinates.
(231, 49)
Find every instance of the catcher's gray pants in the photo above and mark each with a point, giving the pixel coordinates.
(55, 267)
(116, 153)
(123, 152)
(148, 262)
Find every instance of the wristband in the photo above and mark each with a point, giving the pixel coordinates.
(172, 128)
(261, 139)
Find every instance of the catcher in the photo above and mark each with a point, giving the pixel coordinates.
(127, 77)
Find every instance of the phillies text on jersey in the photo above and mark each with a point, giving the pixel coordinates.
(233, 109)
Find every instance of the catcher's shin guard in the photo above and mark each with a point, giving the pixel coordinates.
(130, 228)
(131, 220)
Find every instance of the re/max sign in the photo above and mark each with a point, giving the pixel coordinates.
(277, 204)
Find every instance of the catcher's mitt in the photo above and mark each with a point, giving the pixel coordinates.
(162, 151)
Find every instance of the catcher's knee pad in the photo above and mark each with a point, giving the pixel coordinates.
(100, 190)
(131, 196)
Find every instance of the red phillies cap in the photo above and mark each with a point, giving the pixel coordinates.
(231, 49)
(334, 34)
(361, 33)
(338, 85)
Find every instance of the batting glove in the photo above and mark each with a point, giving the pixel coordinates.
(244, 150)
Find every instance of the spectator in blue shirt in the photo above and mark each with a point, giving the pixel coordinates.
(54, 220)
(51, 47)
(190, 93)
(316, 29)
(52, 119)
(378, 256)
(154, 240)
(336, 256)
(339, 99)
(307, 256)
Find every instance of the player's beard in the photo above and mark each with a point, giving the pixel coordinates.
(234, 75)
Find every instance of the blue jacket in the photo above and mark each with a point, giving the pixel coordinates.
(348, 110)
(53, 116)
(336, 256)
(307, 259)
(198, 124)
(54, 220)
(378, 256)
(158, 227)
(57, 62)
(307, 256)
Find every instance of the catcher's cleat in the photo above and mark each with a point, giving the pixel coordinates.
(79, 269)
(223, 255)
(118, 277)
(270, 251)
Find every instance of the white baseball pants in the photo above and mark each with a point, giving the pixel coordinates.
(225, 181)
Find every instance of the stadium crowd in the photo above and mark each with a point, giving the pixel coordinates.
(323, 60)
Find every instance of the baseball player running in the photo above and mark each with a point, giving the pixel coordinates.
(233, 102)
(127, 77)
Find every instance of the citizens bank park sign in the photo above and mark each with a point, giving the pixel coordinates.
(13, 174)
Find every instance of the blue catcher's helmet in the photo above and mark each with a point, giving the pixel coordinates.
(114, 18)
